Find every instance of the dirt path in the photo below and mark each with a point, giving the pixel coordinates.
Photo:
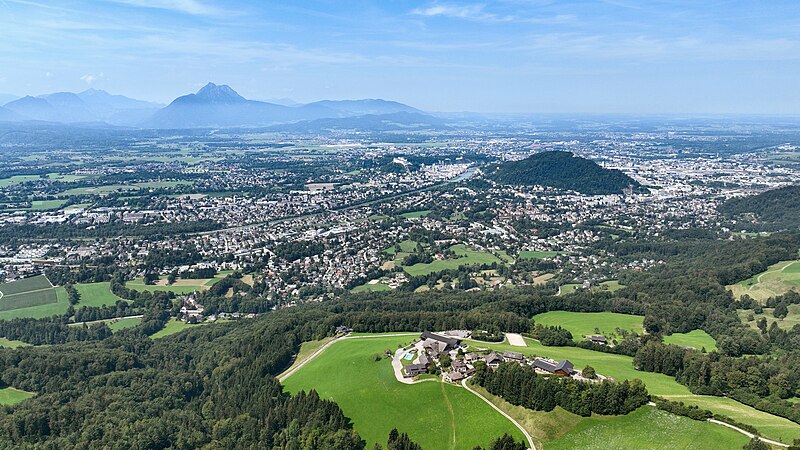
(452, 417)
(524, 432)
(747, 433)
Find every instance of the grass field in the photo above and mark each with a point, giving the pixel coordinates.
(405, 246)
(434, 414)
(174, 326)
(181, 286)
(96, 294)
(647, 429)
(415, 214)
(12, 396)
(465, 255)
(17, 179)
(121, 324)
(107, 189)
(8, 343)
(31, 297)
(609, 286)
(584, 324)
(621, 368)
(792, 319)
(698, 339)
(366, 287)
(778, 279)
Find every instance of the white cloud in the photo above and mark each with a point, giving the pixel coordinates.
(192, 7)
(469, 12)
(89, 78)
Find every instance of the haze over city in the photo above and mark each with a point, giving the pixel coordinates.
(508, 56)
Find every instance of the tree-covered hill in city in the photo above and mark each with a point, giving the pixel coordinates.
(563, 170)
(778, 209)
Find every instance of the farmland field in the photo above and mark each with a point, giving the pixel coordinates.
(465, 255)
(434, 414)
(584, 324)
(778, 279)
(621, 368)
(12, 396)
(31, 297)
(698, 339)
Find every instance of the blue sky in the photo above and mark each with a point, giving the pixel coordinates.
(693, 56)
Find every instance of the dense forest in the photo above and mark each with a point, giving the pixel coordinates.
(775, 210)
(563, 170)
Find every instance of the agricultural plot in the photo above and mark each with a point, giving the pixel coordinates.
(31, 297)
(121, 324)
(10, 343)
(434, 414)
(465, 257)
(620, 367)
(697, 339)
(108, 189)
(778, 279)
(585, 324)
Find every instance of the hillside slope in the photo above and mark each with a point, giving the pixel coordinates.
(563, 170)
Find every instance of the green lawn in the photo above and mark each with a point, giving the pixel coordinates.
(405, 246)
(416, 214)
(647, 429)
(434, 414)
(620, 367)
(181, 286)
(698, 339)
(8, 343)
(778, 279)
(366, 287)
(121, 324)
(568, 288)
(174, 326)
(12, 396)
(466, 256)
(96, 294)
(584, 324)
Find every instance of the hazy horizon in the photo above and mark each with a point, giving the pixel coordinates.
(512, 56)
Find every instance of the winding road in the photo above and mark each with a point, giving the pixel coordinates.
(531, 445)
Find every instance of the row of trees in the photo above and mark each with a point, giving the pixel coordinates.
(520, 385)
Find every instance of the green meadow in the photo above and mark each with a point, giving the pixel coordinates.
(778, 279)
(465, 257)
(96, 294)
(620, 367)
(434, 414)
(12, 396)
(415, 214)
(584, 324)
(698, 339)
(175, 326)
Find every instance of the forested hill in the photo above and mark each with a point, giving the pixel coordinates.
(563, 170)
(774, 210)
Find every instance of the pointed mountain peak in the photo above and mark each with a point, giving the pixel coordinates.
(219, 94)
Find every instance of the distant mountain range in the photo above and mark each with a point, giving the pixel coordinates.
(215, 106)
(563, 170)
